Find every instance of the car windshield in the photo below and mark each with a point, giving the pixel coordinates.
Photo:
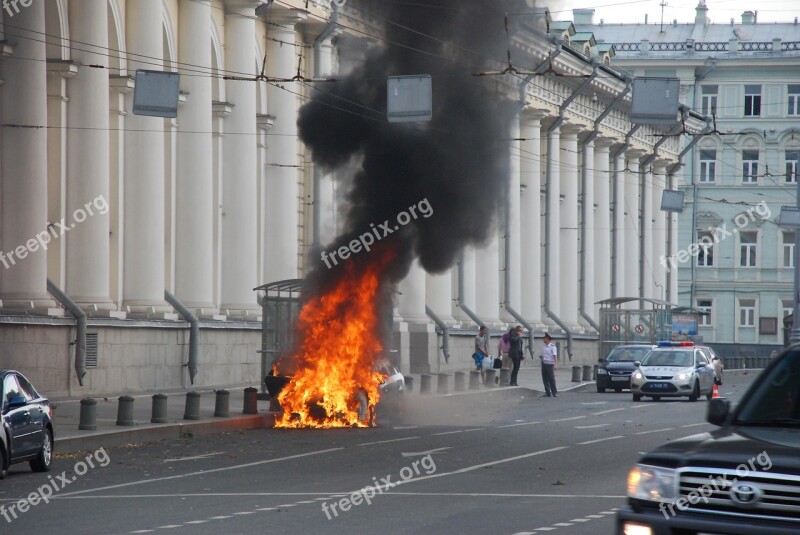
(668, 358)
(627, 354)
(775, 397)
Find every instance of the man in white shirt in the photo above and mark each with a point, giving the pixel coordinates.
(549, 359)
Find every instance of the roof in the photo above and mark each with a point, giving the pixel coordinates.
(288, 285)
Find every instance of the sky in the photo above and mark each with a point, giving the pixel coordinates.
(633, 11)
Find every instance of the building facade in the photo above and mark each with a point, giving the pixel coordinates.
(120, 211)
(743, 76)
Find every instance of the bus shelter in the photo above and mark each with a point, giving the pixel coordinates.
(620, 324)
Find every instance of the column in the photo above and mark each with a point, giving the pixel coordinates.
(194, 217)
(553, 216)
(144, 225)
(530, 215)
(466, 288)
(239, 263)
(439, 294)
(649, 260)
(487, 280)
(326, 198)
(619, 224)
(23, 170)
(672, 249)
(282, 173)
(632, 223)
(411, 301)
(602, 223)
(568, 257)
(588, 230)
(88, 245)
(659, 229)
(513, 262)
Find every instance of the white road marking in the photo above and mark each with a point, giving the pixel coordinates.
(459, 431)
(568, 419)
(590, 426)
(609, 410)
(654, 431)
(221, 517)
(288, 505)
(386, 441)
(517, 425)
(600, 440)
(563, 524)
(544, 529)
(143, 531)
(193, 458)
(579, 520)
(423, 453)
(594, 402)
(594, 516)
(196, 522)
(242, 513)
(265, 509)
(405, 427)
(202, 472)
(509, 495)
(171, 526)
(695, 425)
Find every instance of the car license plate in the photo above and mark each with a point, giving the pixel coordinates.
(619, 378)
(658, 386)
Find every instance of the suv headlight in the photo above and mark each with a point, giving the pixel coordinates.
(637, 375)
(652, 483)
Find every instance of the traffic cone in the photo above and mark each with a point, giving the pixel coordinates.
(715, 392)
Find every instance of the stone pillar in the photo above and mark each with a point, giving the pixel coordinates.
(467, 285)
(88, 245)
(512, 264)
(553, 215)
(326, 198)
(659, 230)
(649, 260)
(618, 236)
(530, 216)
(487, 280)
(602, 223)
(411, 301)
(281, 260)
(568, 261)
(240, 170)
(23, 169)
(633, 255)
(194, 199)
(144, 225)
(588, 230)
(439, 294)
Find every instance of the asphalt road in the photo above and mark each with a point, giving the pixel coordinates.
(509, 462)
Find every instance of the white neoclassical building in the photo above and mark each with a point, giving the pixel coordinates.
(139, 223)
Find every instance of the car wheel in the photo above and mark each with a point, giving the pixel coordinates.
(42, 461)
(3, 469)
(695, 393)
(637, 397)
(600, 389)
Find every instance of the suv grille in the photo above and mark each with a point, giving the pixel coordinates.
(777, 495)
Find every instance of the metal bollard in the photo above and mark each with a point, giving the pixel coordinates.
(125, 410)
(88, 421)
(474, 380)
(222, 404)
(192, 411)
(576, 374)
(459, 381)
(159, 414)
(594, 372)
(441, 383)
(505, 377)
(587, 373)
(409, 380)
(425, 383)
(490, 375)
(250, 400)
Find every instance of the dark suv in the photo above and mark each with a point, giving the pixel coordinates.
(741, 479)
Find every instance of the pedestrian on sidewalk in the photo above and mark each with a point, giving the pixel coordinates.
(503, 348)
(481, 350)
(549, 359)
(515, 352)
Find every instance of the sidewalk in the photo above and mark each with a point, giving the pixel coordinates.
(69, 438)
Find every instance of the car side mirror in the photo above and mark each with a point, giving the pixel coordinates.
(718, 411)
(16, 401)
(601, 360)
(637, 363)
(700, 365)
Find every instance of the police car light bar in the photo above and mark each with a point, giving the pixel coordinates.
(675, 344)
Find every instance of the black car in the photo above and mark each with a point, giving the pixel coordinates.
(614, 371)
(740, 479)
(27, 419)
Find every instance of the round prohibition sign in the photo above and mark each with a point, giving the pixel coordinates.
(640, 328)
(615, 328)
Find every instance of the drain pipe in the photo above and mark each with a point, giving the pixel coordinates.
(194, 332)
(329, 30)
(445, 332)
(590, 138)
(80, 317)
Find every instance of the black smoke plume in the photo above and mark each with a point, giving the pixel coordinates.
(458, 161)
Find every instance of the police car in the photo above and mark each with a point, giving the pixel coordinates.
(675, 369)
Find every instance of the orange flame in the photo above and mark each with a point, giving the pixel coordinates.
(335, 384)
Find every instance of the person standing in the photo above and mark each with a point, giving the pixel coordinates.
(549, 359)
(481, 350)
(503, 347)
(515, 352)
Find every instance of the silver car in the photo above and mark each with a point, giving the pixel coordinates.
(675, 370)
